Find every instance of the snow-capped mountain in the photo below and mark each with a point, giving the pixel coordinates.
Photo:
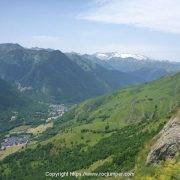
(107, 56)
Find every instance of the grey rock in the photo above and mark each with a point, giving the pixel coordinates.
(167, 145)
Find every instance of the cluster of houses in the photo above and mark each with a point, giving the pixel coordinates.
(14, 141)
(56, 111)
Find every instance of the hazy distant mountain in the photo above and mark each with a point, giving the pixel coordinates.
(112, 78)
(149, 74)
(7, 47)
(131, 62)
(48, 75)
(38, 49)
(107, 56)
(52, 76)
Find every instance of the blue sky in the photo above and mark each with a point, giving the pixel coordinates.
(150, 28)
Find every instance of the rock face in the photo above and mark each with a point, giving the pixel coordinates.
(168, 142)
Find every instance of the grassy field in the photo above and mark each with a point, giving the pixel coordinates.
(109, 133)
(9, 150)
(40, 129)
(99, 118)
(20, 129)
(31, 130)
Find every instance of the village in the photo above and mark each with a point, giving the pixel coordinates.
(14, 141)
(55, 111)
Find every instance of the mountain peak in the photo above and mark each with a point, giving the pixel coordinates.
(109, 55)
(10, 46)
(39, 49)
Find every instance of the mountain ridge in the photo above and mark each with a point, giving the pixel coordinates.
(123, 56)
(58, 77)
(106, 134)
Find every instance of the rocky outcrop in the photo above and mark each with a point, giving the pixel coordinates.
(167, 145)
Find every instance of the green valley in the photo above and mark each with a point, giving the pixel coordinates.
(90, 90)
(112, 133)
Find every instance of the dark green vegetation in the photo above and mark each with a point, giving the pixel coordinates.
(9, 97)
(112, 79)
(52, 76)
(15, 109)
(109, 133)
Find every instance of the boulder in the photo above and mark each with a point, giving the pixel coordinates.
(167, 145)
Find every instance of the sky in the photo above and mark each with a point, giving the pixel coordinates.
(150, 28)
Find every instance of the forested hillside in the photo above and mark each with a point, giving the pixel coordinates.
(110, 133)
(16, 109)
(9, 96)
(51, 76)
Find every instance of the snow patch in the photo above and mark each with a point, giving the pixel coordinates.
(107, 56)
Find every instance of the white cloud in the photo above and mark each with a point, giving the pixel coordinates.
(159, 15)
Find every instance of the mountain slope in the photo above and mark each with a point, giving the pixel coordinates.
(16, 109)
(9, 97)
(10, 100)
(109, 133)
(52, 76)
(149, 74)
(113, 79)
(130, 63)
(48, 75)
